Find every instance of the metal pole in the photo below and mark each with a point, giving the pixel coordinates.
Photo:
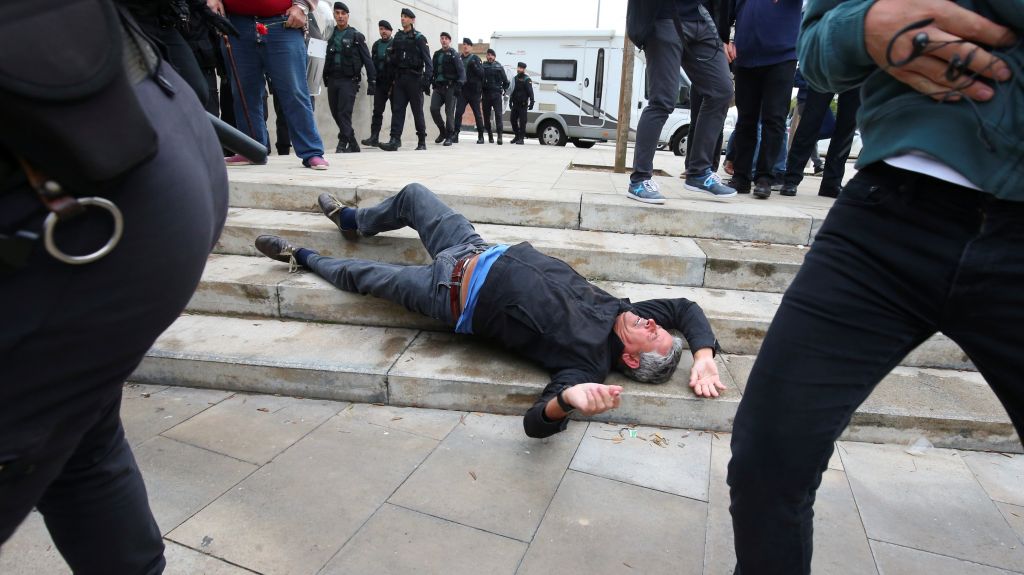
(598, 23)
(625, 105)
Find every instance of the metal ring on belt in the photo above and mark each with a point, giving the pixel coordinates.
(455, 288)
(51, 223)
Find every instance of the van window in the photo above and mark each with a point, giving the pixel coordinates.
(558, 70)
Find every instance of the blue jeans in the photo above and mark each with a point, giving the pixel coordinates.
(281, 55)
(899, 257)
(447, 235)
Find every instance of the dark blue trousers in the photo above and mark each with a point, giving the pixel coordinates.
(71, 335)
(900, 257)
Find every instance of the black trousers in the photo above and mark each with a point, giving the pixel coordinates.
(470, 96)
(179, 55)
(696, 101)
(806, 138)
(899, 257)
(764, 92)
(444, 96)
(492, 103)
(518, 118)
(380, 100)
(341, 97)
(407, 91)
(72, 335)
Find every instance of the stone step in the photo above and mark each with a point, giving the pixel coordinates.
(598, 255)
(603, 255)
(701, 217)
(257, 286)
(437, 370)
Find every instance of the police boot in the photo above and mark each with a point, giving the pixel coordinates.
(422, 145)
(372, 140)
(353, 147)
(440, 137)
(448, 141)
(391, 146)
(490, 136)
(342, 146)
(499, 138)
(455, 137)
(480, 136)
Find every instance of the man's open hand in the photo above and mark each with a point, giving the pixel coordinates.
(593, 398)
(704, 376)
(927, 72)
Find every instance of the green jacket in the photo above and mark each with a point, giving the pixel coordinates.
(986, 145)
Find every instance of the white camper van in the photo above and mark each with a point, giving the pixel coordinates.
(576, 80)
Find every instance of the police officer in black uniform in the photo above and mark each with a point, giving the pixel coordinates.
(117, 159)
(449, 76)
(385, 78)
(346, 54)
(495, 83)
(471, 92)
(409, 58)
(520, 101)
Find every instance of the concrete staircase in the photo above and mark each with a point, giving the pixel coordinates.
(252, 326)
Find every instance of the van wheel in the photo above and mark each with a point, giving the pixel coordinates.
(551, 134)
(678, 142)
(583, 143)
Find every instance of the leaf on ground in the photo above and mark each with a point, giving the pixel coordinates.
(658, 440)
(396, 418)
(627, 564)
(619, 439)
(462, 419)
(146, 395)
(263, 409)
(473, 475)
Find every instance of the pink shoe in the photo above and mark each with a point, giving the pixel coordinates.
(237, 160)
(317, 163)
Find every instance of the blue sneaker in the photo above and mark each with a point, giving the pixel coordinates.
(710, 183)
(645, 191)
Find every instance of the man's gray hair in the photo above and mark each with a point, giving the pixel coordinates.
(654, 367)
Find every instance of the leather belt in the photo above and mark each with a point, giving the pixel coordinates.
(455, 290)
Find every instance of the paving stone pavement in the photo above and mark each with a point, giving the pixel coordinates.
(243, 484)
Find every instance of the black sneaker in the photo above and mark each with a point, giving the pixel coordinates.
(277, 248)
(788, 190)
(763, 188)
(331, 207)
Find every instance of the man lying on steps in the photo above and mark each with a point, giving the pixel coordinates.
(533, 304)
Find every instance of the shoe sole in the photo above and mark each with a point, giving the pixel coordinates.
(646, 200)
(699, 189)
(762, 196)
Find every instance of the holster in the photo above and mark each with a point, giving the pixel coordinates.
(67, 107)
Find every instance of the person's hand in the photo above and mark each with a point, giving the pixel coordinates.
(371, 88)
(296, 18)
(530, 107)
(730, 51)
(704, 378)
(927, 72)
(593, 398)
(215, 5)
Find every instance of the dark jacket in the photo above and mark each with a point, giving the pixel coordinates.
(766, 32)
(641, 15)
(346, 54)
(522, 90)
(539, 307)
